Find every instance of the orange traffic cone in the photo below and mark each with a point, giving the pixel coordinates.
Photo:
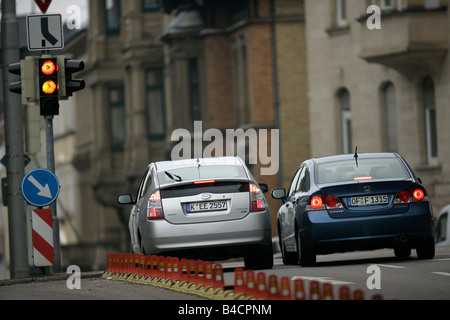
(285, 290)
(299, 290)
(239, 286)
(261, 289)
(314, 290)
(250, 283)
(273, 287)
(327, 290)
(344, 293)
(218, 276)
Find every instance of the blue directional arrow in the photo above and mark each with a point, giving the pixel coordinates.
(40, 187)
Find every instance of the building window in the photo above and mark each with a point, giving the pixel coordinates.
(429, 107)
(154, 89)
(386, 4)
(194, 90)
(240, 64)
(150, 5)
(112, 16)
(341, 13)
(346, 120)
(391, 117)
(117, 117)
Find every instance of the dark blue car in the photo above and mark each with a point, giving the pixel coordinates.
(354, 202)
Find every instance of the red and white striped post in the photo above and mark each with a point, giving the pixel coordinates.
(43, 252)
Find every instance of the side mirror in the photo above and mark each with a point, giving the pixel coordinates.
(264, 187)
(125, 199)
(279, 193)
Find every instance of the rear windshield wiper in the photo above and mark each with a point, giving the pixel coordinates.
(173, 176)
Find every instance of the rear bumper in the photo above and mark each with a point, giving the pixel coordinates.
(221, 239)
(326, 235)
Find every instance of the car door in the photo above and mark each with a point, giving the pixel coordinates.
(287, 213)
(301, 197)
(136, 210)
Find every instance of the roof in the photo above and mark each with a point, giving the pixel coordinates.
(165, 165)
(350, 156)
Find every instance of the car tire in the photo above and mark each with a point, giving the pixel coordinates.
(426, 249)
(260, 257)
(402, 252)
(289, 258)
(306, 256)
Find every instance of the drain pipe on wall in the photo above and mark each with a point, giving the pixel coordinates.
(276, 99)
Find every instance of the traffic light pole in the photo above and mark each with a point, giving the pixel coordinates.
(15, 156)
(50, 154)
(49, 140)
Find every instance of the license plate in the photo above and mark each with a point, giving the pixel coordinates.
(206, 206)
(368, 200)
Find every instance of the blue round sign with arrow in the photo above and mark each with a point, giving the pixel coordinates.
(40, 187)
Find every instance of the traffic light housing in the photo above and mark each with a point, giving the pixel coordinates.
(49, 80)
(48, 86)
(73, 85)
(27, 85)
(15, 68)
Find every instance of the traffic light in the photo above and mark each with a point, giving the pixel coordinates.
(27, 84)
(15, 68)
(48, 86)
(67, 85)
(72, 85)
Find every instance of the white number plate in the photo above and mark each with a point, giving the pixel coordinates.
(206, 206)
(368, 200)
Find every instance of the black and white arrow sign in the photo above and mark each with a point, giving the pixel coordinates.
(45, 32)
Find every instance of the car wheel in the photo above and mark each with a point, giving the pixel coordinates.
(260, 257)
(289, 258)
(306, 257)
(426, 250)
(402, 252)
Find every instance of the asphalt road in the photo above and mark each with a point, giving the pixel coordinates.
(405, 279)
(91, 288)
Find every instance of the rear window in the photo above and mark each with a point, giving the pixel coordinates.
(194, 189)
(200, 173)
(367, 169)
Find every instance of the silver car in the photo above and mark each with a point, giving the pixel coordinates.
(207, 208)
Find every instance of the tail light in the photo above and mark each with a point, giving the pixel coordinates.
(256, 198)
(204, 181)
(410, 195)
(322, 202)
(154, 207)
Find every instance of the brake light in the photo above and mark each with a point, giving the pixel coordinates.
(316, 202)
(204, 181)
(410, 195)
(256, 198)
(331, 201)
(323, 202)
(362, 178)
(418, 194)
(154, 207)
(403, 196)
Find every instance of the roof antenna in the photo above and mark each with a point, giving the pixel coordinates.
(356, 155)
